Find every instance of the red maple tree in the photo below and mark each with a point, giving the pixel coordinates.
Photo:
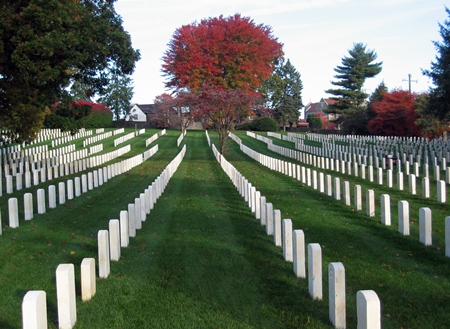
(230, 57)
(395, 115)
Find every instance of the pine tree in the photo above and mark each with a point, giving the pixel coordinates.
(376, 96)
(352, 74)
(283, 93)
(439, 102)
(117, 95)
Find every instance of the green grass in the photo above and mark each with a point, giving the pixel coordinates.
(202, 260)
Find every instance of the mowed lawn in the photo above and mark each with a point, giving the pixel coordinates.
(202, 260)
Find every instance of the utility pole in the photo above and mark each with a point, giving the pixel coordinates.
(409, 81)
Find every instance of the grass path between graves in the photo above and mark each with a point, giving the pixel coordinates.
(201, 260)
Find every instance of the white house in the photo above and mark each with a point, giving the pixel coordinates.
(138, 113)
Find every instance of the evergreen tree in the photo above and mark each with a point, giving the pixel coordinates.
(117, 95)
(283, 93)
(352, 74)
(376, 96)
(439, 101)
(80, 92)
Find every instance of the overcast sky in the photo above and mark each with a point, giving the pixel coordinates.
(316, 35)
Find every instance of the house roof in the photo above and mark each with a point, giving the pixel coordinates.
(311, 107)
(329, 101)
(146, 108)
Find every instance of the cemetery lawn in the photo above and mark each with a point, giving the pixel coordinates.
(202, 260)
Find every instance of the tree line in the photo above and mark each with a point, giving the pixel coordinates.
(56, 55)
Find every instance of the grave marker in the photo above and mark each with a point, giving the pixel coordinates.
(337, 306)
(286, 227)
(298, 246)
(315, 271)
(65, 295)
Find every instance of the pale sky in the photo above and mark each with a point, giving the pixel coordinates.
(316, 35)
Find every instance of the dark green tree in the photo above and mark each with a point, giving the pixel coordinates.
(356, 123)
(47, 45)
(80, 92)
(118, 94)
(439, 96)
(351, 75)
(283, 93)
(314, 121)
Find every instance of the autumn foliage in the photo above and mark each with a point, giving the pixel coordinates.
(225, 53)
(221, 62)
(72, 116)
(395, 115)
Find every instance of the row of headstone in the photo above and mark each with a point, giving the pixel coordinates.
(292, 243)
(70, 189)
(323, 183)
(71, 138)
(154, 137)
(47, 157)
(110, 241)
(180, 139)
(96, 138)
(437, 150)
(358, 170)
(95, 148)
(124, 138)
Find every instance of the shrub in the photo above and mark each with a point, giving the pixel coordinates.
(314, 121)
(264, 124)
(100, 117)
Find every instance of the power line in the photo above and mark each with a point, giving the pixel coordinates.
(409, 81)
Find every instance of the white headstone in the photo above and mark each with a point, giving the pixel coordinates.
(385, 209)
(370, 203)
(337, 302)
(403, 217)
(425, 226)
(315, 270)
(286, 228)
(88, 279)
(263, 210)
(13, 210)
(62, 192)
(277, 228)
(269, 218)
(298, 246)
(131, 220)
(34, 310)
(28, 206)
(41, 208)
(114, 239)
(368, 310)
(69, 189)
(65, 293)
(357, 198)
(103, 254)
(441, 191)
(52, 196)
(124, 229)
